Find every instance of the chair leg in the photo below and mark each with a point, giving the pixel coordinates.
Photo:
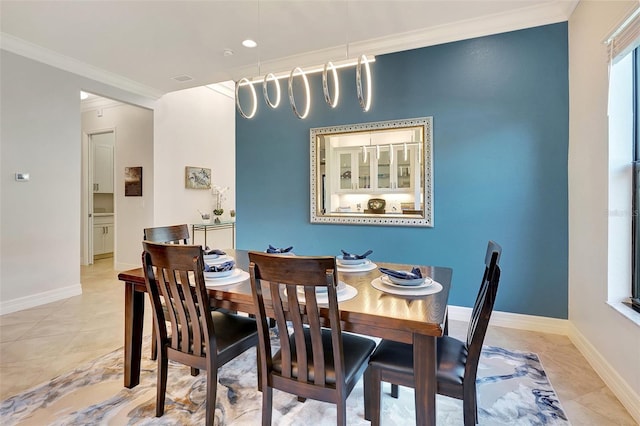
(267, 399)
(470, 407)
(394, 390)
(259, 364)
(372, 383)
(212, 389)
(154, 341)
(163, 365)
(341, 408)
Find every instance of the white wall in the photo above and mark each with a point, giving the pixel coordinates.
(193, 127)
(134, 147)
(41, 134)
(40, 219)
(608, 339)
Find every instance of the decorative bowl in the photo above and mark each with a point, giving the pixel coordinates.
(344, 261)
(409, 283)
(376, 205)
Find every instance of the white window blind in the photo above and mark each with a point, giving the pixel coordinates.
(625, 38)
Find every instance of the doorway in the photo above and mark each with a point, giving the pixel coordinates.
(115, 136)
(100, 197)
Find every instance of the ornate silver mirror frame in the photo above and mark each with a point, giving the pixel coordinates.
(373, 173)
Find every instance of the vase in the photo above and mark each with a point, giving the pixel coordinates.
(218, 213)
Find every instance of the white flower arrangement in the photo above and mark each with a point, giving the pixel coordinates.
(218, 195)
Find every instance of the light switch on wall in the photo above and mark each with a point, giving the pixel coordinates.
(22, 177)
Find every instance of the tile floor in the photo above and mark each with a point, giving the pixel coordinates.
(40, 343)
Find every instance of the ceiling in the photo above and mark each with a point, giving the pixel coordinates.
(142, 45)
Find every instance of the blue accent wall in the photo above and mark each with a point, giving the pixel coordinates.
(501, 129)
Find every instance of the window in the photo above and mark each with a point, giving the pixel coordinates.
(635, 221)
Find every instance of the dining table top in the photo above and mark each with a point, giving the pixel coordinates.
(371, 311)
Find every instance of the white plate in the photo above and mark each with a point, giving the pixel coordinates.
(323, 290)
(236, 277)
(218, 275)
(218, 260)
(364, 267)
(348, 262)
(378, 284)
(425, 282)
(349, 292)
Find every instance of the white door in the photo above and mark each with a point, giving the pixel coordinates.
(100, 173)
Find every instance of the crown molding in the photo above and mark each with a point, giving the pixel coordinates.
(543, 14)
(226, 88)
(38, 53)
(533, 16)
(97, 103)
(529, 17)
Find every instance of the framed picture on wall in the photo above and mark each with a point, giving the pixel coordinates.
(197, 178)
(133, 181)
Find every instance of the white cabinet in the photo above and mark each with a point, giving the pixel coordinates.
(102, 168)
(388, 168)
(354, 173)
(103, 233)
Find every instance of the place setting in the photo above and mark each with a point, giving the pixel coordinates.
(349, 262)
(220, 269)
(344, 292)
(405, 283)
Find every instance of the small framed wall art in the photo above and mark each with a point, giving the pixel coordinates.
(197, 178)
(133, 181)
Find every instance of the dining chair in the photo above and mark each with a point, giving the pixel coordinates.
(199, 338)
(457, 360)
(315, 359)
(174, 234)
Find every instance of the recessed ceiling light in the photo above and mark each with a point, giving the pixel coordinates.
(227, 52)
(249, 43)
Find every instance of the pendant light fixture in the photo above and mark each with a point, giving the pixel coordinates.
(292, 99)
(330, 77)
(265, 91)
(331, 101)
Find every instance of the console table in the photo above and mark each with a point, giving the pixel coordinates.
(213, 226)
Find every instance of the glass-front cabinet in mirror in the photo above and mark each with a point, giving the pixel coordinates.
(373, 173)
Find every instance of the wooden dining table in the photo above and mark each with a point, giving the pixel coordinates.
(418, 320)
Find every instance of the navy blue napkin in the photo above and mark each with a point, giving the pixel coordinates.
(403, 275)
(207, 250)
(273, 249)
(349, 256)
(226, 266)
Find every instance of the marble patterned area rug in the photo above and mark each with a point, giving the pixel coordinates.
(513, 389)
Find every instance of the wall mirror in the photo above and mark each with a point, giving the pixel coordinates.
(373, 173)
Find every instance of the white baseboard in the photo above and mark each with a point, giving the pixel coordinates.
(609, 376)
(518, 321)
(14, 305)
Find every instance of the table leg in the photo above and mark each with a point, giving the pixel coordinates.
(133, 320)
(424, 367)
